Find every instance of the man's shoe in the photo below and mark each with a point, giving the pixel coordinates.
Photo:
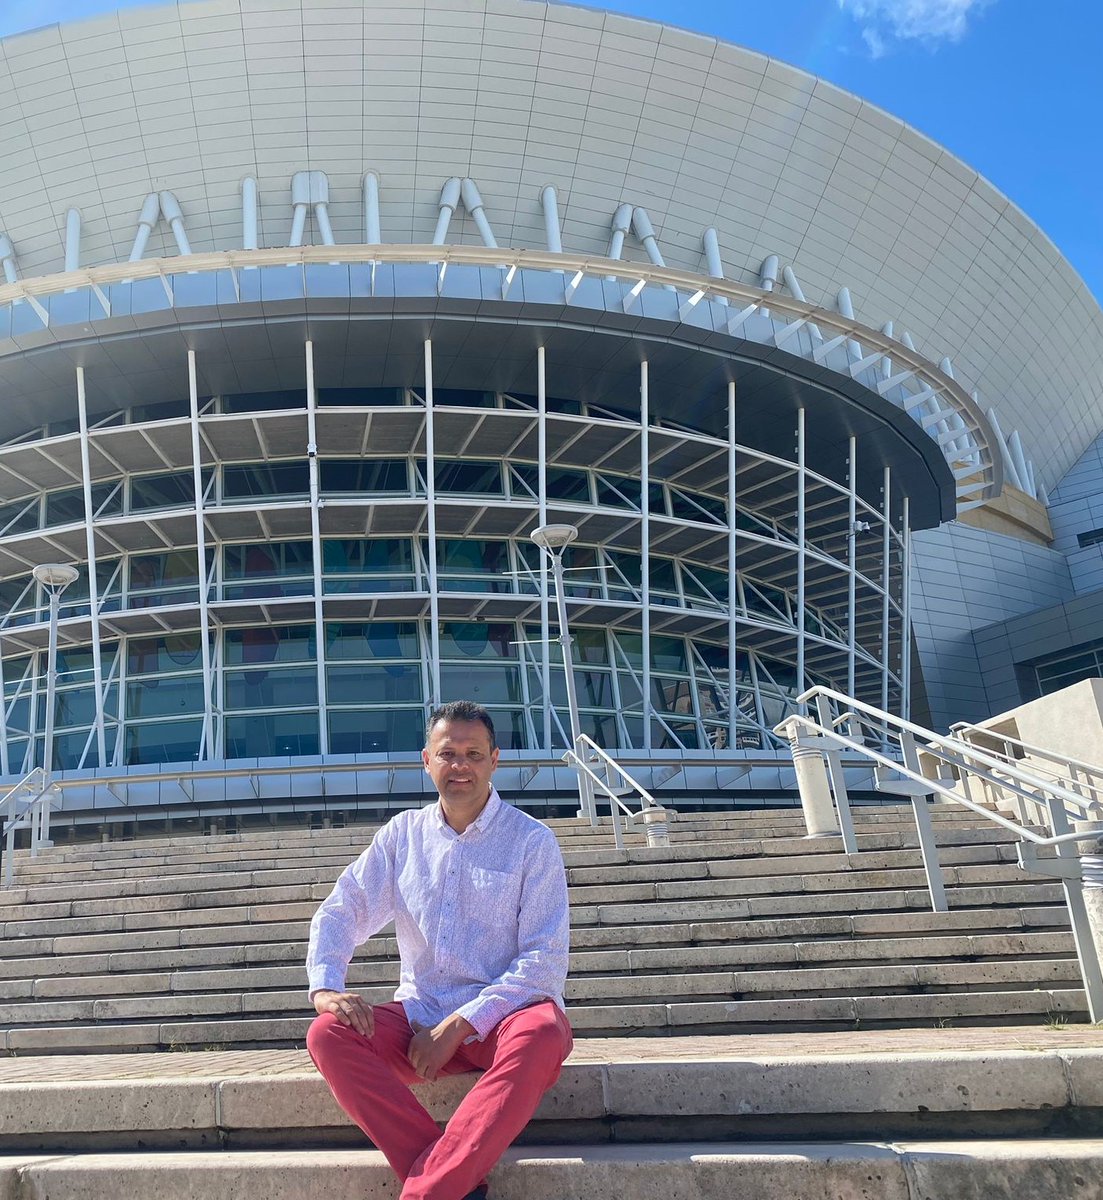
(478, 1194)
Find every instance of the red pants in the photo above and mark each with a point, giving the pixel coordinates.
(369, 1078)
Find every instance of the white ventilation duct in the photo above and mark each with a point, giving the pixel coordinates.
(552, 232)
(621, 223)
(641, 224)
(72, 239)
(372, 234)
(250, 204)
(449, 202)
(473, 202)
(156, 206)
(310, 189)
(7, 259)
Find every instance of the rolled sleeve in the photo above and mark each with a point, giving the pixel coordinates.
(361, 903)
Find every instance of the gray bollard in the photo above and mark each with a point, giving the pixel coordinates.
(656, 827)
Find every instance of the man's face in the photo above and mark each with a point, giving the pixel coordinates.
(459, 760)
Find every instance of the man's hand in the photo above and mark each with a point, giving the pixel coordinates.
(430, 1049)
(349, 1008)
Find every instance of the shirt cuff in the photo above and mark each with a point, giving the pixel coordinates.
(483, 1014)
(325, 979)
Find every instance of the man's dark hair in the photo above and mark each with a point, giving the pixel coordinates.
(461, 710)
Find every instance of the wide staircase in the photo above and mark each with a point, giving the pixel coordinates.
(757, 1014)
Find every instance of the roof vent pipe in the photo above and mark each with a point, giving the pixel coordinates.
(449, 199)
(886, 362)
(711, 244)
(552, 231)
(7, 259)
(1009, 468)
(1015, 447)
(147, 218)
(797, 292)
(622, 222)
(310, 189)
(954, 421)
(473, 202)
(249, 207)
(767, 276)
(171, 211)
(853, 348)
(72, 240)
(641, 223)
(372, 235)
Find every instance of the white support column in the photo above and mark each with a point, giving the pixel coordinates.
(906, 605)
(802, 683)
(93, 580)
(645, 553)
(886, 579)
(206, 741)
(316, 544)
(5, 766)
(542, 505)
(733, 589)
(851, 567)
(431, 515)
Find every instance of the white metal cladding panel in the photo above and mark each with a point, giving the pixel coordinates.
(964, 579)
(516, 94)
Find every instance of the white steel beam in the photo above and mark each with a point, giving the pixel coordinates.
(90, 555)
(316, 545)
(206, 744)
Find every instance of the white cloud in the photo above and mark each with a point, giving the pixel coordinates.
(930, 21)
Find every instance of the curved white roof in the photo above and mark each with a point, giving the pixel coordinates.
(192, 98)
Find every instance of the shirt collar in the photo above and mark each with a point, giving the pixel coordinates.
(481, 822)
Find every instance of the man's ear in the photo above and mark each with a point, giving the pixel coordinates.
(425, 760)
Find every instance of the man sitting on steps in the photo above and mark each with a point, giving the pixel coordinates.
(478, 894)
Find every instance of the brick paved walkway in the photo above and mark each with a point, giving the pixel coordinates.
(229, 1063)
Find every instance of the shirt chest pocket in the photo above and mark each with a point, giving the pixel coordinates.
(493, 897)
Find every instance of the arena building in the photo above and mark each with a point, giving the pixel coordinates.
(314, 311)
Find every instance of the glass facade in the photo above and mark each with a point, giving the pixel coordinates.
(334, 629)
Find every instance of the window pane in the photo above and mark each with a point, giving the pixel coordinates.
(478, 478)
(164, 697)
(241, 402)
(497, 683)
(271, 689)
(397, 683)
(269, 644)
(265, 479)
(476, 640)
(272, 735)
(360, 397)
(364, 642)
(367, 556)
(151, 656)
(380, 731)
(565, 484)
(163, 741)
(360, 476)
(162, 491)
(471, 565)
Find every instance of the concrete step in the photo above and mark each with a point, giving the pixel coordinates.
(207, 971)
(997, 1170)
(203, 1026)
(1030, 1082)
(782, 856)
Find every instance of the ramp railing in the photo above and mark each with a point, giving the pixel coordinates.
(28, 803)
(926, 767)
(613, 781)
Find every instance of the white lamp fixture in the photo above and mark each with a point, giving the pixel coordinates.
(554, 537)
(55, 575)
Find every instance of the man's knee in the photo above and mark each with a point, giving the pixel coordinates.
(543, 1030)
(326, 1036)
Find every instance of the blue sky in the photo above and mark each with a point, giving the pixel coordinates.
(1013, 87)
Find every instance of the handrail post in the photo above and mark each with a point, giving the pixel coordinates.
(1084, 898)
(812, 785)
(838, 780)
(928, 847)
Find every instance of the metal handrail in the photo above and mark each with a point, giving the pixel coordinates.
(576, 759)
(1092, 770)
(35, 814)
(823, 790)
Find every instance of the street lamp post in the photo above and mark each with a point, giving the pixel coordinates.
(553, 540)
(55, 578)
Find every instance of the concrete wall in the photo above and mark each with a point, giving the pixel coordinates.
(1076, 506)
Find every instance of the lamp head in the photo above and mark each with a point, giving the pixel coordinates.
(56, 576)
(554, 538)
